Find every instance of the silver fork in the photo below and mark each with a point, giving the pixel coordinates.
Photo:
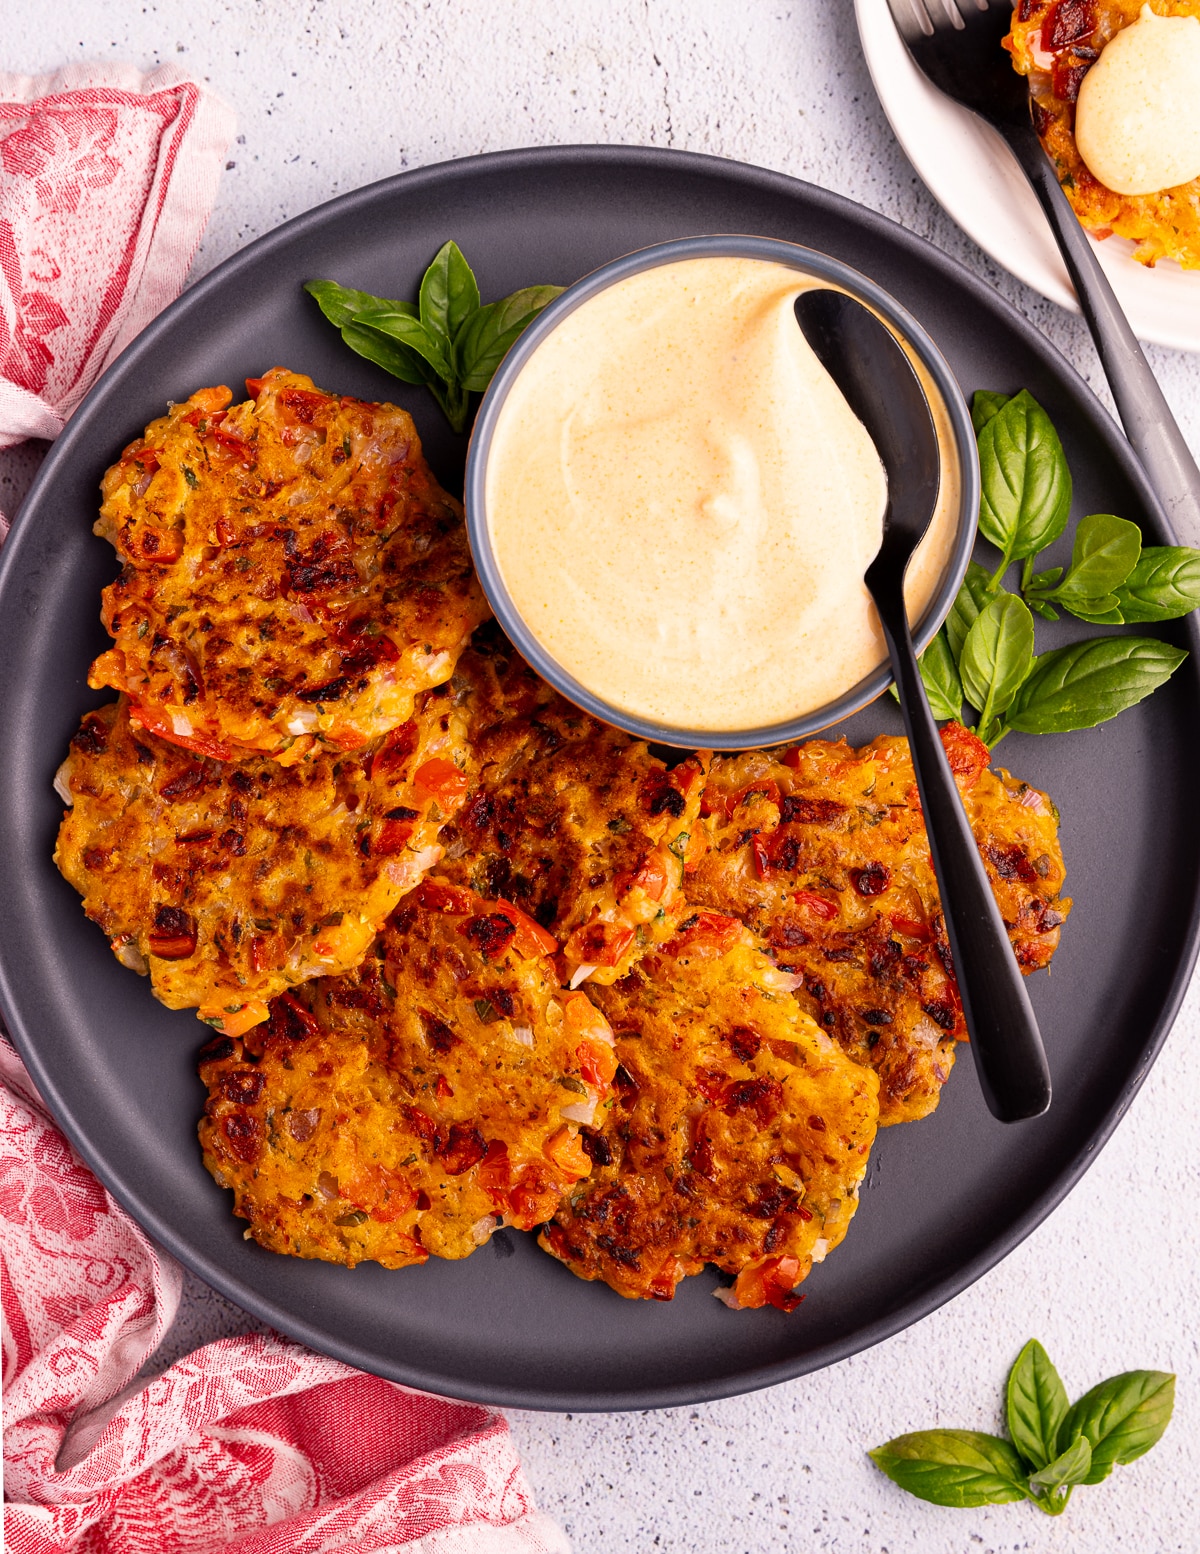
(956, 43)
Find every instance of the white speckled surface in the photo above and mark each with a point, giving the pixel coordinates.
(331, 95)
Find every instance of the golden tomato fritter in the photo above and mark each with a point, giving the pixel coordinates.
(1055, 43)
(230, 882)
(414, 1104)
(824, 854)
(292, 575)
(739, 1132)
(573, 821)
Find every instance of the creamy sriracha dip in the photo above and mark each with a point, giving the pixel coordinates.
(682, 505)
(1137, 122)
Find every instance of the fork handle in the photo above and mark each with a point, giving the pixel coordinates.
(1151, 428)
(1005, 1040)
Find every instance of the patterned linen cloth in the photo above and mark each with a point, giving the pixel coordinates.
(107, 179)
(254, 1444)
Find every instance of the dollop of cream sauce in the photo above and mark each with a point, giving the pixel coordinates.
(1137, 122)
(682, 505)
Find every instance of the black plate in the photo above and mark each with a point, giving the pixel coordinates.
(945, 1199)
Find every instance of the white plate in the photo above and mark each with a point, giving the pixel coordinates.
(976, 179)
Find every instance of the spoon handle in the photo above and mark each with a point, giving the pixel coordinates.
(1005, 1040)
(1151, 428)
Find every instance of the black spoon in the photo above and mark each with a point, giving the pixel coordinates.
(876, 378)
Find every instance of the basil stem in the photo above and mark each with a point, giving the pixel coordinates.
(1052, 1485)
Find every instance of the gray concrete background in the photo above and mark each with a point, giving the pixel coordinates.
(331, 95)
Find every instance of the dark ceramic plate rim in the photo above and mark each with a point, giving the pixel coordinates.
(806, 261)
(660, 1396)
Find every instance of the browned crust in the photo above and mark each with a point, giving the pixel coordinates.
(292, 572)
(824, 854)
(738, 1137)
(231, 882)
(575, 822)
(411, 1106)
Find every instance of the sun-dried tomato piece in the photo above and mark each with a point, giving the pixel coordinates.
(242, 1087)
(872, 880)
(173, 936)
(967, 754)
(244, 1133)
(290, 1020)
(1068, 21)
(462, 1148)
(763, 1097)
(491, 934)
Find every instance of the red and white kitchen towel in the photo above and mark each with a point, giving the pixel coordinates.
(107, 179)
(253, 1444)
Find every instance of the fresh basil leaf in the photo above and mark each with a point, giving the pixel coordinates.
(942, 684)
(1069, 1467)
(1089, 682)
(1046, 611)
(1164, 585)
(996, 657)
(449, 294)
(411, 332)
(1105, 552)
(1043, 582)
(389, 354)
(481, 343)
(973, 595)
(953, 1467)
(1121, 1419)
(984, 405)
(340, 304)
(1035, 1403)
(1026, 495)
(1099, 612)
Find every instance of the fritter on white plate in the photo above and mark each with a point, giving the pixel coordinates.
(411, 1106)
(738, 1136)
(229, 883)
(1055, 43)
(823, 853)
(575, 822)
(292, 575)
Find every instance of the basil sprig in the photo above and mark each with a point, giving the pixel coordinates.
(985, 650)
(448, 340)
(1026, 495)
(1053, 1447)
